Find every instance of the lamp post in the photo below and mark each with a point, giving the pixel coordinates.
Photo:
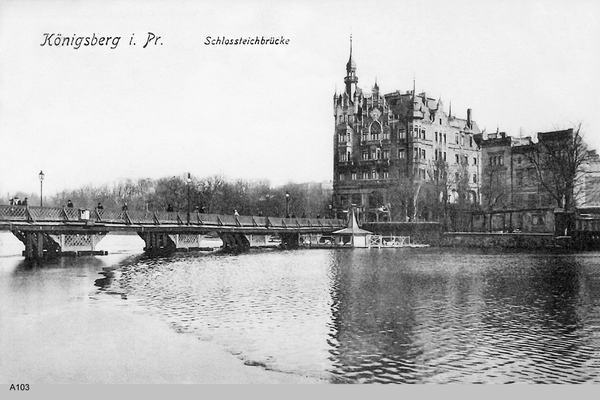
(287, 204)
(41, 187)
(189, 184)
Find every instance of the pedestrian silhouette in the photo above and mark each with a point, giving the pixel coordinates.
(100, 206)
(124, 208)
(69, 204)
(169, 208)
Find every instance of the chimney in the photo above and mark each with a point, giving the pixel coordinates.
(469, 116)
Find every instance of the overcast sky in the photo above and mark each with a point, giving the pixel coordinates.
(96, 115)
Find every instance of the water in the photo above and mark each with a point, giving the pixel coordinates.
(365, 316)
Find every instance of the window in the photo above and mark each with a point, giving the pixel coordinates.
(436, 137)
(364, 135)
(500, 160)
(470, 141)
(444, 138)
(456, 138)
(474, 178)
(423, 134)
(444, 156)
(440, 121)
(342, 177)
(343, 156)
(386, 154)
(354, 176)
(374, 154)
(466, 160)
(375, 174)
(457, 160)
(365, 155)
(386, 135)
(348, 156)
(401, 153)
(423, 154)
(365, 175)
(401, 133)
(474, 160)
(386, 175)
(375, 131)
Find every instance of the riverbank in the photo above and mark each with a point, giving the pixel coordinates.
(82, 335)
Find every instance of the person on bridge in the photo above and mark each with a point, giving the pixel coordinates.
(236, 213)
(25, 201)
(124, 208)
(169, 208)
(100, 206)
(69, 204)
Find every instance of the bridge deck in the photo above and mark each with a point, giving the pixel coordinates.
(32, 218)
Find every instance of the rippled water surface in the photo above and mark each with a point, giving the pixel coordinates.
(389, 315)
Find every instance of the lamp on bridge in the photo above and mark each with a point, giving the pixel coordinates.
(41, 187)
(287, 204)
(189, 184)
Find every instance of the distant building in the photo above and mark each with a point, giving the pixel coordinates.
(381, 140)
(510, 180)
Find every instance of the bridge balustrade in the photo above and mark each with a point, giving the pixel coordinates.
(141, 217)
(245, 220)
(46, 214)
(165, 217)
(112, 216)
(13, 213)
(228, 220)
(314, 221)
(277, 222)
(71, 214)
(260, 221)
(291, 222)
(208, 219)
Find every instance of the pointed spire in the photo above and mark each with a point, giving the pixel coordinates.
(351, 65)
(450, 111)
(376, 87)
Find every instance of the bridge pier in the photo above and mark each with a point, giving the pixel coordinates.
(40, 244)
(235, 242)
(158, 242)
(290, 240)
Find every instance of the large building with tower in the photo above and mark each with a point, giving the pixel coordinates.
(386, 141)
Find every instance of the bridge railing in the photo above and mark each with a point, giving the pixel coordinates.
(13, 213)
(10, 213)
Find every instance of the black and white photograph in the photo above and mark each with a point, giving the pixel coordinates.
(323, 193)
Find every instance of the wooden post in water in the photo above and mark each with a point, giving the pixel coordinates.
(40, 245)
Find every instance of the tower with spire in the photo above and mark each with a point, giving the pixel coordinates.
(383, 141)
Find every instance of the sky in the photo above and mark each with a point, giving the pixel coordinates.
(97, 115)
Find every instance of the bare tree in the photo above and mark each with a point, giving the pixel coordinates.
(560, 159)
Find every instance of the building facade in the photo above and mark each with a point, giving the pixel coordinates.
(390, 143)
(557, 170)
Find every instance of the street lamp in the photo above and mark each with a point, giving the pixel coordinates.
(189, 181)
(41, 187)
(287, 204)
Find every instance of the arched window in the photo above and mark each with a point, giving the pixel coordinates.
(375, 130)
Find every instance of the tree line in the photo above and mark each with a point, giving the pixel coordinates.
(215, 195)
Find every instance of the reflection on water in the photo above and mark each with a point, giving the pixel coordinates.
(389, 315)
(403, 316)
